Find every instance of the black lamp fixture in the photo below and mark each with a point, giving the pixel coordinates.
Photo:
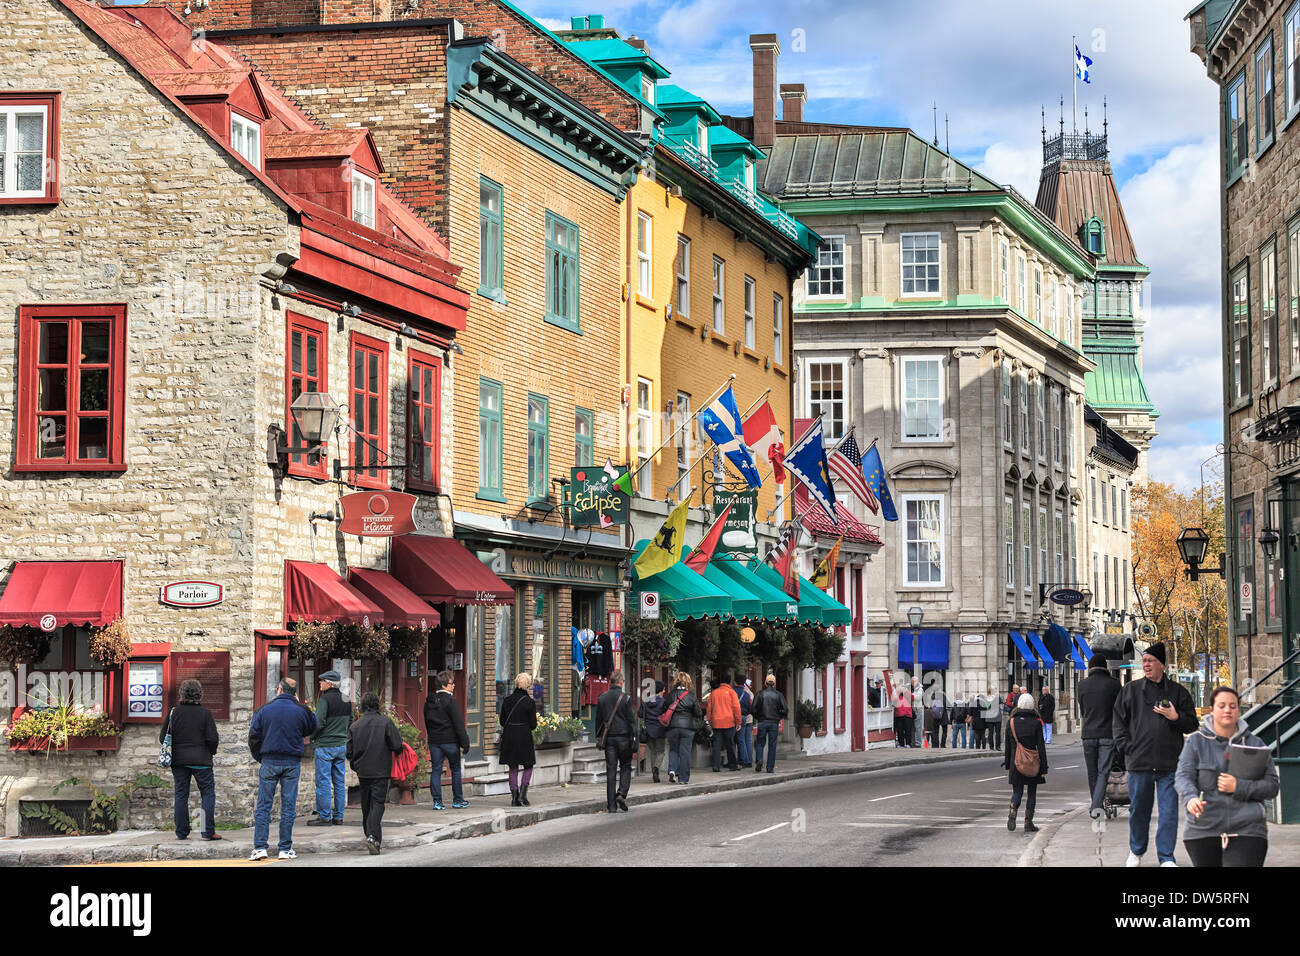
(1192, 544)
(1268, 540)
(314, 416)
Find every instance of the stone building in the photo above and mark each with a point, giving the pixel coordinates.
(943, 321)
(1250, 51)
(1112, 464)
(197, 255)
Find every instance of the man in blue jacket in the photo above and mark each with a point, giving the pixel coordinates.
(275, 738)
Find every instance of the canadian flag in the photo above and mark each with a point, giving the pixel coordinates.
(764, 438)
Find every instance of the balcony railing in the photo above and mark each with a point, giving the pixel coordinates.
(700, 160)
(1075, 146)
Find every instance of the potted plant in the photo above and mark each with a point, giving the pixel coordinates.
(552, 730)
(807, 718)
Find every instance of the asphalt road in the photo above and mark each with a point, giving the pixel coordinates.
(949, 814)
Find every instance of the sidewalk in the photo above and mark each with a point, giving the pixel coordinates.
(1074, 842)
(419, 825)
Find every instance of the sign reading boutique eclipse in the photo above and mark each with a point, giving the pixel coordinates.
(593, 499)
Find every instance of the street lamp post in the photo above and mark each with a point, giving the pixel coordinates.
(914, 617)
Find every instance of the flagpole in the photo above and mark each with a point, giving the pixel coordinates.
(1074, 86)
(790, 493)
(669, 440)
(709, 447)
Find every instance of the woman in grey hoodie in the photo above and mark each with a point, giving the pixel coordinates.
(1226, 823)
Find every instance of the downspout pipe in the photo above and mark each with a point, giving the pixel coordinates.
(1229, 543)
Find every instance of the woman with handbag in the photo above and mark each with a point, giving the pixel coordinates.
(515, 748)
(682, 710)
(1025, 759)
(189, 740)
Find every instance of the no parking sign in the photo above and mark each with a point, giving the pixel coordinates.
(650, 605)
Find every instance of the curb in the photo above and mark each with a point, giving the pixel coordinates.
(1037, 849)
(499, 820)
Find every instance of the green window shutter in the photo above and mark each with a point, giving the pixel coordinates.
(562, 275)
(489, 440)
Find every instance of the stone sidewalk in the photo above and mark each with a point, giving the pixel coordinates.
(1074, 842)
(419, 824)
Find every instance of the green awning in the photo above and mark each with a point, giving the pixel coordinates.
(682, 593)
(810, 612)
(833, 612)
(744, 602)
(777, 605)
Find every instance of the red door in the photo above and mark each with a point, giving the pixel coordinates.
(859, 718)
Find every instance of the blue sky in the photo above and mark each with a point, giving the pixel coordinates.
(991, 66)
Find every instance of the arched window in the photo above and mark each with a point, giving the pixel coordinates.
(1094, 236)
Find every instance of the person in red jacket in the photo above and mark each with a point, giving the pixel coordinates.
(724, 717)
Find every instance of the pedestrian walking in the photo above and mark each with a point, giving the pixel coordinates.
(979, 733)
(937, 718)
(1226, 820)
(1024, 760)
(769, 710)
(992, 721)
(1152, 714)
(1047, 711)
(902, 718)
(333, 718)
(960, 719)
(444, 727)
(683, 710)
(616, 733)
(918, 698)
(275, 738)
(1096, 695)
(371, 743)
(518, 718)
(745, 733)
(653, 733)
(723, 713)
(194, 742)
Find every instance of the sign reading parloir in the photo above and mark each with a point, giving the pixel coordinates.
(378, 514)
(192, 594)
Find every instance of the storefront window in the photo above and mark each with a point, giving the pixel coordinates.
(472, 668)
(505, 652)
(68, 674)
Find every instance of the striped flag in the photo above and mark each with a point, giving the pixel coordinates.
(846, 463)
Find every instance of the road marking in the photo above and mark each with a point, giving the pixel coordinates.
(987, 779)
(890, 797)
(919, 816)
(759, 832)
(1073, 766)
(928, 826)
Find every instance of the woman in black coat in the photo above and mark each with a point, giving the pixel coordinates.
(518, 718)
(1025, 727)
(194, 741)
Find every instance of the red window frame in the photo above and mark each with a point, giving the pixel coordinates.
(114, 691)
(153, 653)
(271, 641)
(838, 699)
(426, 402)
(50, 99)
(858, 600)
(304, 466)
(369, 421)
(30, 320)
(840, 596)
(821, 701)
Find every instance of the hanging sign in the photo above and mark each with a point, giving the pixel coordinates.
(1067, 596)
(378, 514)
(739, 537)
(593, 499)
(191, 594)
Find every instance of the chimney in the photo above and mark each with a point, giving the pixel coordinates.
(637, 42)
(793, 97)
(766, 50)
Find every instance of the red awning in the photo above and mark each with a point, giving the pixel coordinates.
(402, 607)
(74, 592)
(442, 570)
(818, 522)
(315, 592)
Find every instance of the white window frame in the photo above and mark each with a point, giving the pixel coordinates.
(937, 266)
(1025, 444)
(1041, 399)
(822, 273)
(1022, 287)
(9, 158)
(1291, 59)
(644, 253)
(1044, 529)
(1008, 419)
(778, 329)
(1009, 539)
(1058, 426)
(903, 417)
(829, 426)
(1054, 292)
(684, 444)
(1058, 524)
(751, 320)
(918, 497)
(702, 136)
(682, 266)
(1027, 538)
(1038, 294)
(645, 439)
(1074, 547)
(648, 89)
(719, 296)
(363, 191)
(1069, 314)
(1004, 265)
(248, 128)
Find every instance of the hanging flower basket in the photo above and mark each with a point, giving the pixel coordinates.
(23, 645)
(313, 640)
(110, 645)
(358, 642)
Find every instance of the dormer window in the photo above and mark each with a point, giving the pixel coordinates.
(749, 175)
(363, 199)
(1094, 236)
(648, 89)
(702, 136)
(246, 139)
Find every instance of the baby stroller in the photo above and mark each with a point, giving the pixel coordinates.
(1116, 787)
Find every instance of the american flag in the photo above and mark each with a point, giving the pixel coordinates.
(846, 463)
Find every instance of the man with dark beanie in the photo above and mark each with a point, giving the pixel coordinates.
(1096, 696)
(1153, 714)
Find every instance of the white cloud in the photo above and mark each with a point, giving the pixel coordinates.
(1016, 165)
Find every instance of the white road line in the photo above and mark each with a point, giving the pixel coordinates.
(927, 826)
(890, 797)
(759, 832)
(918, 816)
(1071, 767)
(987, 779)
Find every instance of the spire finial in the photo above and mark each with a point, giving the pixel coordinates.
(947, 143)
(1062, 119)
(1085, 120)
(1043, 112)
(935, 107)
(1105, 121)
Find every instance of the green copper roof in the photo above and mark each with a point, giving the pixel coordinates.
(683, 594)
(671, 96)
(617, 52)
(1117, 382)
(724, 138)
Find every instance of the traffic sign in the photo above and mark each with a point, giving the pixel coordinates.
(650, 605)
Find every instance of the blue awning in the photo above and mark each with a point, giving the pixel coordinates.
(1043, 654)
(1031, 661)
(932, 646)
(1083, 647)
(1062, 646)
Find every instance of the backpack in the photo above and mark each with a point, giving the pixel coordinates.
(936, 711)
(1026, 760)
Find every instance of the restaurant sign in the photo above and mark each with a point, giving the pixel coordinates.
(593, 499)
(378, 514)
(191, 594)
(739, 538)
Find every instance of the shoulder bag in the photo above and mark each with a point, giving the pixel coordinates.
(165, 751)
(604, 731)
(1026, 760)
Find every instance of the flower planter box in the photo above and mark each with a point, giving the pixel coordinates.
(75, 744)
(556, 738)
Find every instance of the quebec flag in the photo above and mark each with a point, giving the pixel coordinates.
(1081, 65)
(721, 421)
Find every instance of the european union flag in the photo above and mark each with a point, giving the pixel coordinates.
(874, 470)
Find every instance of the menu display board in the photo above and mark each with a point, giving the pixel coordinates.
(212, 670)
(144, 692)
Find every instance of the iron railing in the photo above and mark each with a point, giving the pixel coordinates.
(1075, 146)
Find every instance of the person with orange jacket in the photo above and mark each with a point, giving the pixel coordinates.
(724, 717)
